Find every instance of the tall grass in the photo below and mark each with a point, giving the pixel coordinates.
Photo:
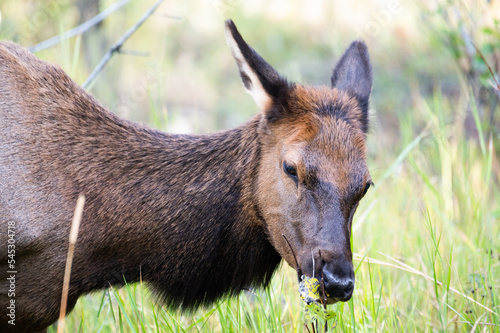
(426, 238)
(427, 244)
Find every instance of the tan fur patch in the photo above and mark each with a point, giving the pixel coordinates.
(306, 105)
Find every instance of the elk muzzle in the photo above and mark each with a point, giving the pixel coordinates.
(338, 278)
(334, 269)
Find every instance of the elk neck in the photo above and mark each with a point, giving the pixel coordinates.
(178, 211)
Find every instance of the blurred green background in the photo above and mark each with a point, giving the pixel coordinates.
(188, 75)
(433, 145)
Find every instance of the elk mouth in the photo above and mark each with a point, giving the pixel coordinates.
(331, 300)
(328, 289)
(327, 299)
(324, 289)
(313, 290)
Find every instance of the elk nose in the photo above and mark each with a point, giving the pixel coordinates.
(338, 286)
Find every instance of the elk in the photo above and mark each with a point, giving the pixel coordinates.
(197, 217)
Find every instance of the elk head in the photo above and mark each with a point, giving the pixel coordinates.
(313, 170)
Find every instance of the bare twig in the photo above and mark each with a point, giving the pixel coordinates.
(116, 48)
(497, 88)
(173, 17)
(494, 84)
(82, 28)
(75, 225)
(134, 53)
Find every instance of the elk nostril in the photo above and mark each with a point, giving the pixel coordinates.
(349, 288)
(338, 287)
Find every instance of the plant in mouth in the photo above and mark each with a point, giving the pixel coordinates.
(315, 302)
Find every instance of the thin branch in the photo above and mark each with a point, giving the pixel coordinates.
(134, 53)
(82, 28)
(115, 48)
(173, 17)
(489, 68)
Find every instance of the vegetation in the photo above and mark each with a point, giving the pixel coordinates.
(426, 238)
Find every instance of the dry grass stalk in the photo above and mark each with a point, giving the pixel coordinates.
(75, 225)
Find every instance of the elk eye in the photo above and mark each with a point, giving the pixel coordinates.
(366, 188)
(290, 170)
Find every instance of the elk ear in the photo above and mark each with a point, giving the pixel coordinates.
(353, 74)
(261, 81)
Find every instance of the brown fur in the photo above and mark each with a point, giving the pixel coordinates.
(196, 217)
(305, 125)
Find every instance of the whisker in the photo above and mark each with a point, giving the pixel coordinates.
(297, 268)
(312, 255)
